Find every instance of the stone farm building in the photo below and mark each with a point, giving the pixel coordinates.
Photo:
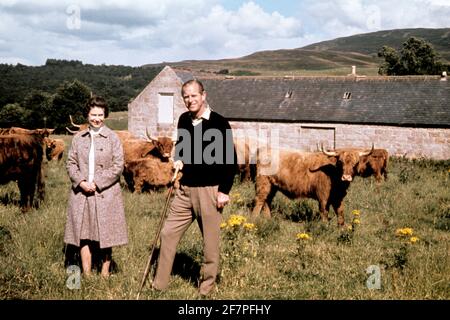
(408, 116)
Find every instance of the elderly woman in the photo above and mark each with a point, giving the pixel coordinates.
(95, 215)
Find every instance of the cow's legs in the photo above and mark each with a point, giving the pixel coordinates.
(138, 184)
(27, 189)
(323, 208)
(129, 179)
(378, 177)
(268, 203)
(263, 189)
(338, 207)
(40, 185)
(247, 175)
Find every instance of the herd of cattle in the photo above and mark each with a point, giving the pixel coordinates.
(22, 151)
(322, 175)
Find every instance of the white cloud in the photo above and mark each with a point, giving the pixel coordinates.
(136, 32)
(347, 17)
(253, 21)
(444, 3)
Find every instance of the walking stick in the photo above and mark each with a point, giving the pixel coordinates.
(158, 232)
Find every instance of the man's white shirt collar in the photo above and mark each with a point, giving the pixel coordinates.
(206, 114)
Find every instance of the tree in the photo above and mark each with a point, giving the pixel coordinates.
(392, 64)
(417, 57)
(70, 99)
(13, 115)
(39, 104)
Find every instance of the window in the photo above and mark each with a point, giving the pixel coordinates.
(165, 108)
(347, 96)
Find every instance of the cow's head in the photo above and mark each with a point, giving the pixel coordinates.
(347, 161)
(50, 145)
(163, 145)
(44, 132)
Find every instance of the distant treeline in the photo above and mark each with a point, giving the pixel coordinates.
(37, 92)
(119, 84)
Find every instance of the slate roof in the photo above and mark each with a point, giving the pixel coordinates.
(184, 75)
(401, 101)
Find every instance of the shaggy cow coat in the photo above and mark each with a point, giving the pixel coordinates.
(324, 177)
(21, 158)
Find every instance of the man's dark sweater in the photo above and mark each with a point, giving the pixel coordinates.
(213, 166)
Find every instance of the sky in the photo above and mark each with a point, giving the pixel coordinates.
(137, 32)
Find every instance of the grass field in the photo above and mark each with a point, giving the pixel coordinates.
(118, 120)
(290, 62)
(264, 261)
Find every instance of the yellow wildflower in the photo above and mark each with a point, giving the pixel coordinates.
(236, 220)
(303, 236)
(414, 239)
(223, 225)
(350, 228)
(356, 221)
(249, 226)
(356, 213)
(404, 232)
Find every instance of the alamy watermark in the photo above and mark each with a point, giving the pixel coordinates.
(73, 21)
(74, 279)
(374, 280)
(213, 147)
(373, 14)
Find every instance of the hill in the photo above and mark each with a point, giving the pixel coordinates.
(370, 43)
(283, 62)
(334, 57)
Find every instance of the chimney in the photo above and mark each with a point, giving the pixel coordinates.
(444, 76)
(353, 74)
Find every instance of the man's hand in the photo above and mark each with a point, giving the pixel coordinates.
(178, 165)
(222, 200)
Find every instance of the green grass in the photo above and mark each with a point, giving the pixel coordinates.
(117, 120)
(266, 263)
(296, 62)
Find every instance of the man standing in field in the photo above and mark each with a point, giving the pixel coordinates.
(205, 154)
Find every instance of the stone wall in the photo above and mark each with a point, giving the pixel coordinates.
(143, 111)
(408, 142)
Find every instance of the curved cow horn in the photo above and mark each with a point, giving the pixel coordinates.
(328, 153)
(366, 153)
(149, 136)
(71, 131)
(73, 124)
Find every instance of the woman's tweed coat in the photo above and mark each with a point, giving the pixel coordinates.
(112, 226)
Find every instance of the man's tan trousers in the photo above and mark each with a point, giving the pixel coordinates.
(191, 203)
